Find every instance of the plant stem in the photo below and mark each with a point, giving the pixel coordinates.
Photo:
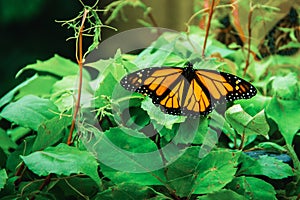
(242, 141)
(79, 59)
(296, 161)
(153, 21)
(211, 11)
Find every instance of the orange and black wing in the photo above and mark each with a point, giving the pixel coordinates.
(188, 92)
(164, 85)
(210, 88)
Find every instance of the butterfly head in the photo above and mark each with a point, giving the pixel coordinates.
(189, 65)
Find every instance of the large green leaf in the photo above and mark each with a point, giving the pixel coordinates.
(115, 66)
(158, 116)
(286, 114)
(107, 84)
(251, 188)
(244, 123)
(189, 174)
(64, 90)
(286, 87)
(62, 160)
(50, 132)
(3, 178)
(41, 86)
(105, 91)
(160, 52)
(265, 165)
(126, 155)
(30, 111)
(56, 65)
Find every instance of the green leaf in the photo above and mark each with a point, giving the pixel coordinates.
(3, 178)
(237, 118)
(5, 141)
(222, 194)
(271, 146)
(56, 65)
(201, 176)
(70, 83)
(64, 90)
(130, 191)
(251, 188)
(158, 53)
(265, 165)
(286, 87)
(126, 155)
(173, 141)
(30, 111)
(158, 117)
(50, 132)
(62, 160)
(115, 66)
(105, 90)
(244, 123)
(40, 86)
(258, 125)
(286, 114)
(258, 69)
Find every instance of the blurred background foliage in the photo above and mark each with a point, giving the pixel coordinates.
(29, 31)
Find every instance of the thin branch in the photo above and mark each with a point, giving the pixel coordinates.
(203, 11)
(79, 58)
(153, 21)
(243, 137)
(211, 11)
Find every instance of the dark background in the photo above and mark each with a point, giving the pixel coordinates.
(28, 31)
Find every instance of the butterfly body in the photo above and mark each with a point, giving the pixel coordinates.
(187, 91)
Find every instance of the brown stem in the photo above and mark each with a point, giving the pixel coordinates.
(153, 21)
(44, 184)
(242, 141)
(79, 59)
(249, 40)
(20, 173)
(211, 11)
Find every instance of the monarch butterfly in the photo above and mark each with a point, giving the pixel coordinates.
(187, 91)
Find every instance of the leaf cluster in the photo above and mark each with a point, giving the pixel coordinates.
(126, 148)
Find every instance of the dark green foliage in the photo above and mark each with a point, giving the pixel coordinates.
(126, 148)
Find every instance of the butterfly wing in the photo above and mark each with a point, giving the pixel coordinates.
(219, 87)
(164, 85)
(188, 92)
